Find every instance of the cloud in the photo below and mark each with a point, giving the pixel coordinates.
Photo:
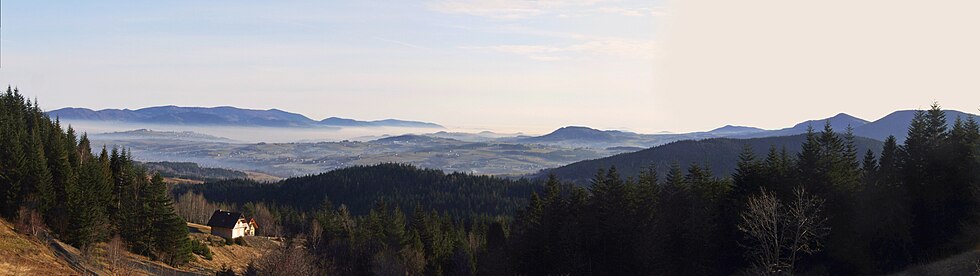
(618, 48)
(510, 9)
(402, 43)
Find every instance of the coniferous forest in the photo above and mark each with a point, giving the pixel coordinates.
(50, 179)
(829, 209)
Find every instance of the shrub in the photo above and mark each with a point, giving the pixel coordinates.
(225, 271)
(201, 249)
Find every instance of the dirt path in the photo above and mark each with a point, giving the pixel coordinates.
(72, 258)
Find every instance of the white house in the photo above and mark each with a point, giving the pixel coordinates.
(231, 225)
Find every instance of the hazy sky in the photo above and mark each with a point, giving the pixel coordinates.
(509, 65)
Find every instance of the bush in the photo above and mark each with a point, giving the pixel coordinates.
(225, 271)
(201, 249)
(240, 241)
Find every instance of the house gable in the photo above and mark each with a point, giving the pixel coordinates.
(226, 219)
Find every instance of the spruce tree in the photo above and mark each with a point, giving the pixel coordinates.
(13, 153)
(38, 194)
(869, 167)
(809, 162)
(62, 178)
(748, 174)
(888, 165)
(89, 222)
(935, 201)
(170, 241)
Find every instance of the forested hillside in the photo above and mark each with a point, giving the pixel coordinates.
(360, 187)
(385, 219)
(828, 209)
(51, 181)
(190, 170)
(720, 155)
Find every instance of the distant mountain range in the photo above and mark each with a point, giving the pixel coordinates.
(896, 123)
(579, 136)
(222, 116)
(839, 122)
(720, 154)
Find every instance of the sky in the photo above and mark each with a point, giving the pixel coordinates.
(504, 65)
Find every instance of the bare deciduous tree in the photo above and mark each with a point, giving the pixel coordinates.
(194, 207)
(29, 221)
(115, 255)
(316, 235)
(779, 233)
(268, 224)
(289, 259)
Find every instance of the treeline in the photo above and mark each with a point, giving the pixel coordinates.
(390, 219)
(188, 170)
(863, 214)
(275, 220)
(50, 179)
(359, 187)
(387, 241)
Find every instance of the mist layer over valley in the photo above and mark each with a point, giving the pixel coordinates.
(287, 148)
(301, 151)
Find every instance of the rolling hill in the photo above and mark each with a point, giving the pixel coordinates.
(719, 153)
(897, 124)
(839, 122)
(360, 187)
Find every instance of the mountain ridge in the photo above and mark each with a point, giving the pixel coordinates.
(720, 154)
(223, 116)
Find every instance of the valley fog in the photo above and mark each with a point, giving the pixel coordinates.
(259, 134)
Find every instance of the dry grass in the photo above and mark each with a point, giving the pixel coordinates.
(174, 180)
(261, 177)
(24, 255)
(236, 257)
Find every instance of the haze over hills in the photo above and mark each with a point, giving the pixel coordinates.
(483, 153)
(295, 159)
(222, 116)
(343, 122)
(735, 130)
(154, 134)
(579, 136)
(895, 124)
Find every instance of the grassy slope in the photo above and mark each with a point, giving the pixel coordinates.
(236, 257)
(23, 255)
